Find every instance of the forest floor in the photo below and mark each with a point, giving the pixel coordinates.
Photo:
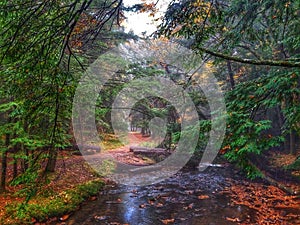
(73, 170)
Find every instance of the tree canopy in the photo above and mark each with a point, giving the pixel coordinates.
(254, 48)
(258, 44)
(42, 56)
(259, 33)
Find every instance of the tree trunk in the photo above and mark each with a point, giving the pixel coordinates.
(14, 151)
(286, 143)
(25, 160)
(51, 161)
(273, 181)
(292, 143)
(15, 167)
(230, 73)
(53, 151)
(3, 171)
(4, 164)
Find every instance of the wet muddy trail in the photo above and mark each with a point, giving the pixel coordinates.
(220, 195)
(186, 198)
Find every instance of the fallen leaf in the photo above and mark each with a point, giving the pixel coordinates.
(159, 205)
(151, 202)
(203, 197)
(190, 206)
(64, 217)
(167, 221)
(93, 198)
(233, 219)
(189, 192)
(142, 206)
(100, 217)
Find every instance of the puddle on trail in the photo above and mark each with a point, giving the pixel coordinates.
(191, 198)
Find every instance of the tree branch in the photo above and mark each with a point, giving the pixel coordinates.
(280, 63)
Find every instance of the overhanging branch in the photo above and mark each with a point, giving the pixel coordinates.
(280, 63)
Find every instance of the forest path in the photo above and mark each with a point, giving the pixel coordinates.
(123, 154)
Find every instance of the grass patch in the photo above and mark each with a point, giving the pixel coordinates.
(110, 141)
(41, 208)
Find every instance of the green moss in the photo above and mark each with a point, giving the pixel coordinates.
(41, 208)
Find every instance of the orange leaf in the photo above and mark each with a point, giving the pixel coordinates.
(167, 221)
(203, 197)
(64, 217)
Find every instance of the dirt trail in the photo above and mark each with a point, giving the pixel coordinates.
(123, 154)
